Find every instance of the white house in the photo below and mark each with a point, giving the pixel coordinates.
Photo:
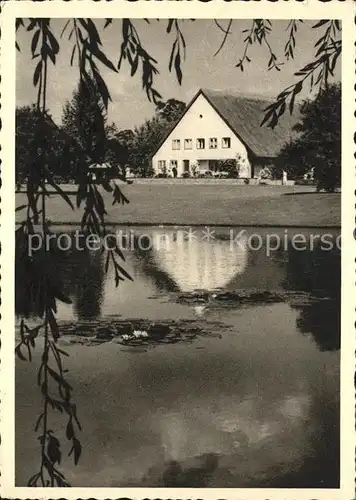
(216, 126)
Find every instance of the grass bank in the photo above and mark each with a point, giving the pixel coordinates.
(216, 204)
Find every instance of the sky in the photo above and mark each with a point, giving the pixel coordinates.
(201, 69)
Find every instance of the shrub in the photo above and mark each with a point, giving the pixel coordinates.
(230, 166)
(194, 170)
(318, 145)
(265, 173)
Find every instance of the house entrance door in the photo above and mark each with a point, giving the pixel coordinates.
(185, 165)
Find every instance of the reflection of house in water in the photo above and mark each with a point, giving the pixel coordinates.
(196, 263)
(179, 264)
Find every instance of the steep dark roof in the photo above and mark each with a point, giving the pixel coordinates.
(244, 116)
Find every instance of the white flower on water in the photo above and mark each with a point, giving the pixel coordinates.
(136, 334)
(139, 333)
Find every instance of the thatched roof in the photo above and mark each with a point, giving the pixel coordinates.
(244, 116)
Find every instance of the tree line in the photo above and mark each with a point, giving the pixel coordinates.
(85, 128)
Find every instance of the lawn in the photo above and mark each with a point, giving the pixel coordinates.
(215, 204)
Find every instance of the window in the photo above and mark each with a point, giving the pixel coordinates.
(174, 163)
(188, 144)
(200, 143)
(162, 165)
(226, 142)
(176, 144)
(213, 143)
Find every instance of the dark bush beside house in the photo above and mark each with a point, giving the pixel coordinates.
(230, 166)
(318, 145)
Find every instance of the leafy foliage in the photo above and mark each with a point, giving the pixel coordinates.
(318, 147)
(229, 165)
(318, 71)
(47, 140)
(134, 52)
(259, 33)
(84, 120)
(120, 145)
(170, 111)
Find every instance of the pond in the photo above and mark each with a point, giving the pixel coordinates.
(217, 366)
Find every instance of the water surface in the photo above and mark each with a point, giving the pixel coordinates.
(252, 401)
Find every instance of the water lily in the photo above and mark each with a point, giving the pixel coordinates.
(139, 333)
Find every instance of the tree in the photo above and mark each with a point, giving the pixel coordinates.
(46, 139)
(84, 119)
(318, 146)
(120, 146)
(147, 137)
(170, 111)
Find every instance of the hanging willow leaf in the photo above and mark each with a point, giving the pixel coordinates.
(53, 325)
(37, 73)
(35, 41)
(177, 67)
(76, 450)
(59, 190)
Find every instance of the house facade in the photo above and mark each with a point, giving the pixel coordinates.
(217, 127)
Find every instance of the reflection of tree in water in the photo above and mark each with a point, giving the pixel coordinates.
(314, 271)
(322, 319)
(72, 274)
(29, 272)
(83, 278)
(319, 272)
